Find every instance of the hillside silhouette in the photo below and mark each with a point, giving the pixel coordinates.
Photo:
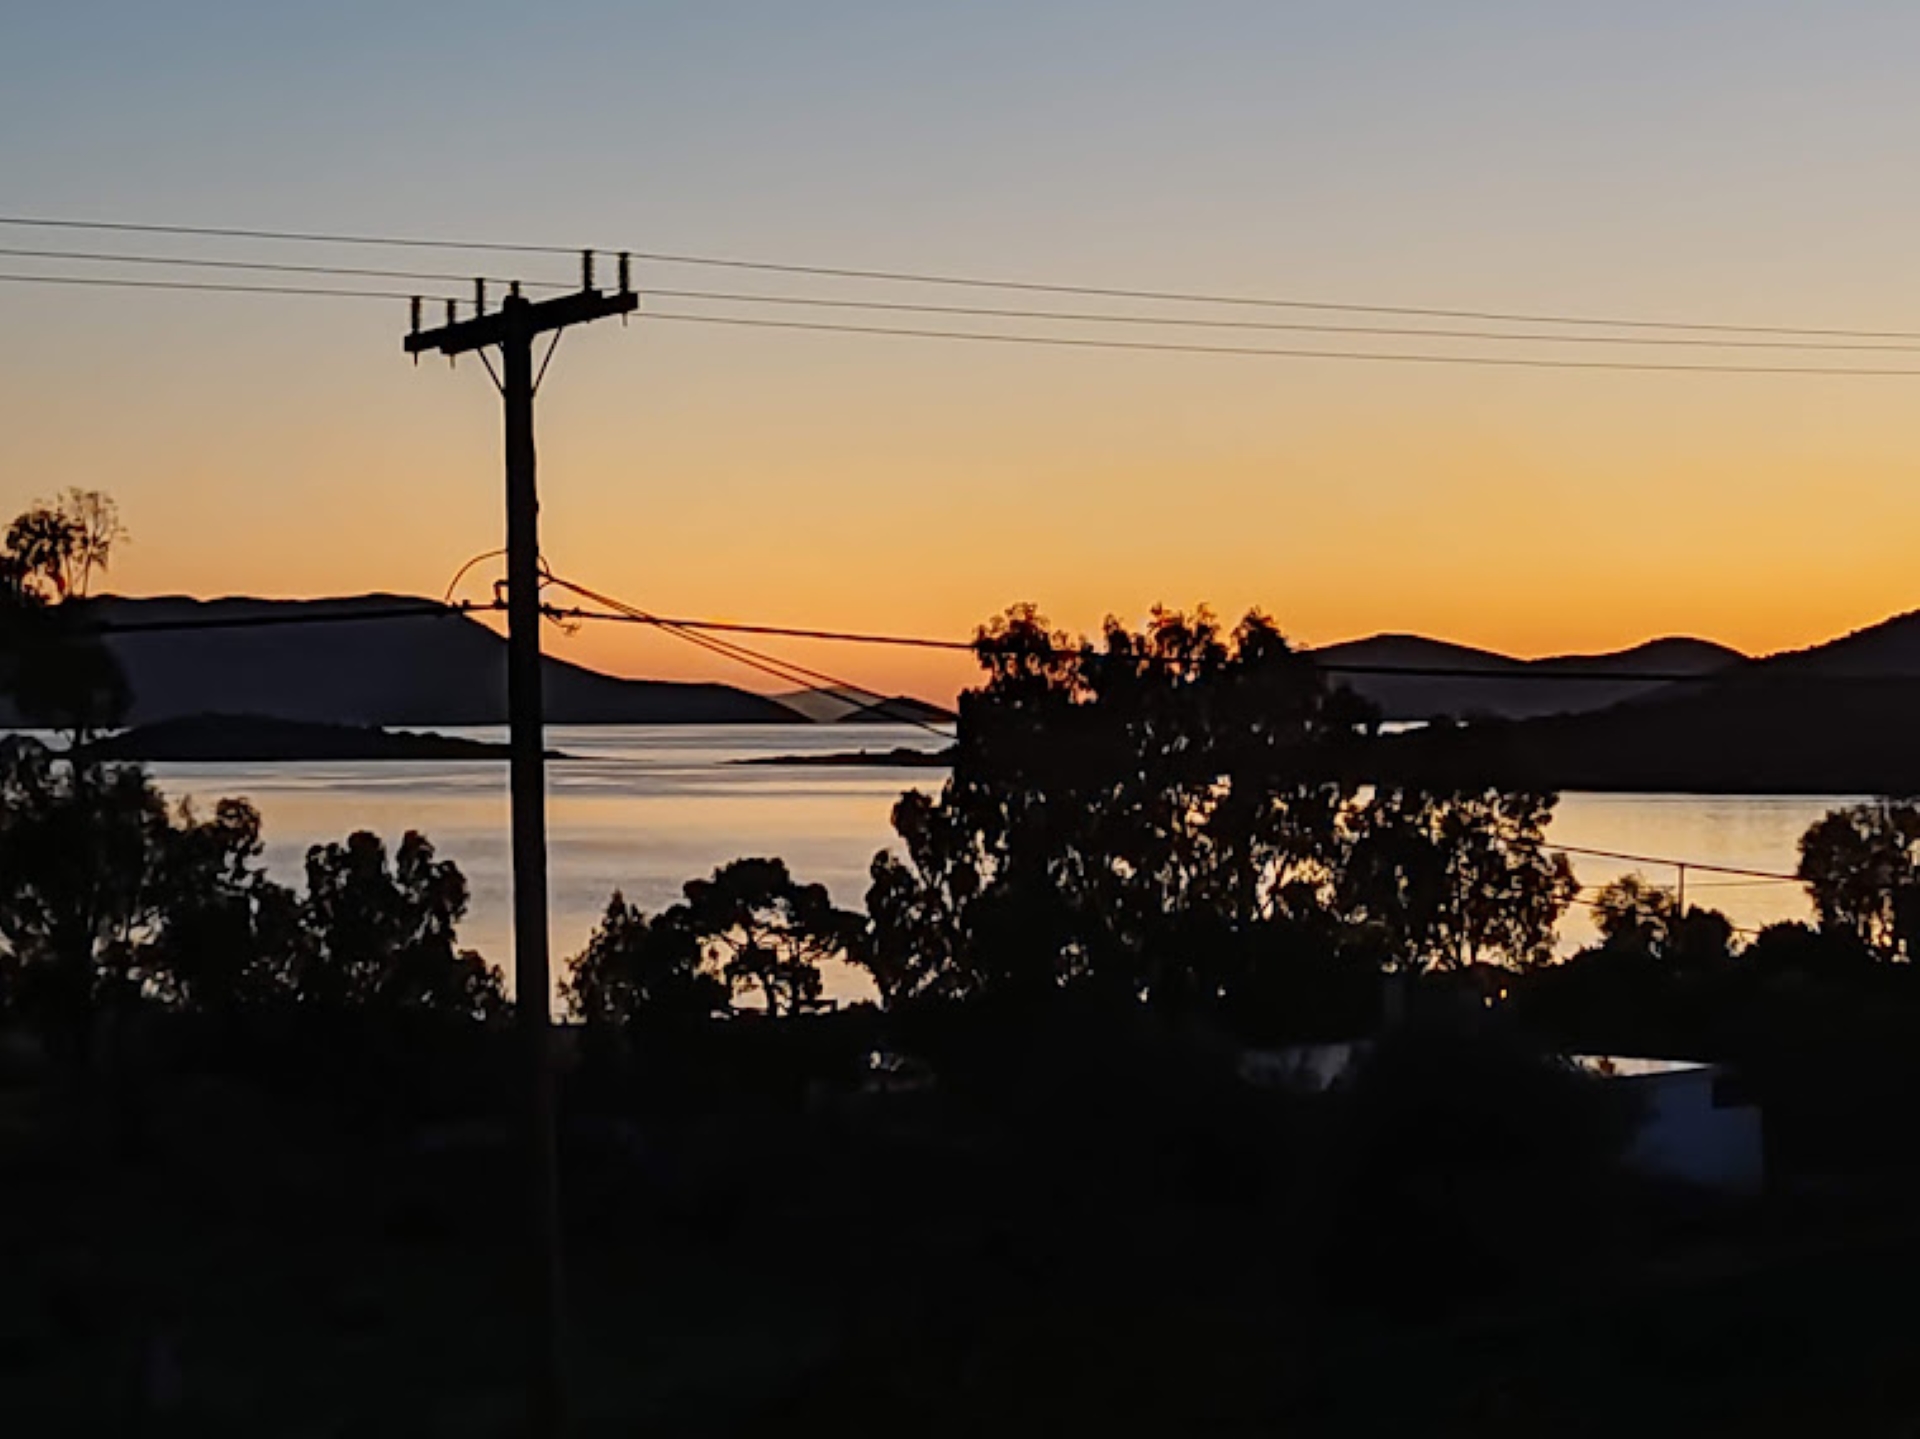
(1837, 718)
(437, 670)
(220, 738)
(1832, 717)
(1527, 693)
(1889, 648)
(842, 704)
(900, 709)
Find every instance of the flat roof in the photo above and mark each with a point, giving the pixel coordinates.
(1633, 1066)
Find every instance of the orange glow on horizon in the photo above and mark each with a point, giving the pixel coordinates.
(919, 489)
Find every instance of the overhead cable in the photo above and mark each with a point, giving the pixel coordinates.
(893, 276)
(1370, 356)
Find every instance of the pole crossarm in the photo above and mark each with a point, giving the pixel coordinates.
(520, 318)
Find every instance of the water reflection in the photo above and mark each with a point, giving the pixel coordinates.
(644, 808)
(1740, 831)
(641, 809)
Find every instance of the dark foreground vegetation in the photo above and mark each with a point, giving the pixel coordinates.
(258, 1175)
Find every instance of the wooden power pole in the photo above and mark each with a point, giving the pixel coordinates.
(512, 328)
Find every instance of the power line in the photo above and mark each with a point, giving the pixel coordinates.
(461, 573)
(793, 632)
(1053, 341)
(979, 311)
(1289, 326)
(197, 262)
(275, 620)
(816, 680)
(965, 281)
(1532, 674)
(790, 673)
(426, 609)
(1700, 865)
(210, 286)
(1171, 347)
(306, 237)
(1264, 302)
(1528, 362)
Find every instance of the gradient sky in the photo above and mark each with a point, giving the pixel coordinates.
(1736, 161)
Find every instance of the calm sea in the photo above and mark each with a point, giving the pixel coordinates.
(644, 808)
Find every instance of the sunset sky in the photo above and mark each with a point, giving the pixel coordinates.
(1735, 162)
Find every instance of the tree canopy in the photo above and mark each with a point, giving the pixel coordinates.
(1140, 811)
(52, 663)
(639, 968)
(1861, 867)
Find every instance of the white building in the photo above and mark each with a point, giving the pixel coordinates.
(1690, 1129)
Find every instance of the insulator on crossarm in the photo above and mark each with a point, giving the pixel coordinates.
(416, 326)
(626, 273)
(586, 269)
(479, 297)
(451, 315)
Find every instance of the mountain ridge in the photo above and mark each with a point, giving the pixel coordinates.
(1523, 688)
(328, 666)
(1833, 718)
(448, 669)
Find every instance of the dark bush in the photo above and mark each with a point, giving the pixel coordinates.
(1460, 1161)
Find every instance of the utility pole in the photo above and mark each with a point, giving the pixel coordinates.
(512, 328)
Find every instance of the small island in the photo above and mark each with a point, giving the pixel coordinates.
(261, 739)
(897, 758)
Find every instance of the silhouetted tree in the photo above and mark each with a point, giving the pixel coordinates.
(921, 906)
(78, 852)
(766, 931)
(1447, 880)
(1793, 949)
(1108, 798)
(230, 937)
(52, 662)
(641, 970)
(380, 938)
(1130, 813)
(1701, 940)
(1859, 867)
(1631, 913)
(40, 546)
(59, 546)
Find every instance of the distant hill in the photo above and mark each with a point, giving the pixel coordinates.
(1890, 649)
(217, 738)
(1839, 718)
(825, 705)
(1522, 689)
(445, 670)
(843, 705)
(900, 709)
